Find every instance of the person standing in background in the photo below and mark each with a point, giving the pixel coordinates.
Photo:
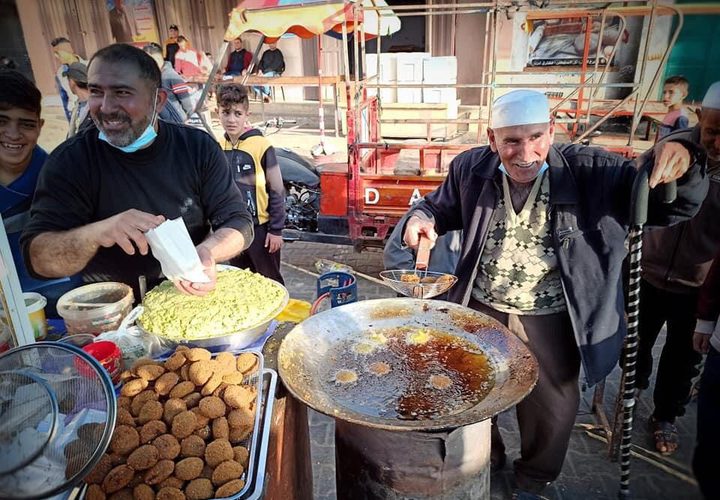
(64, 53)
(171, 44)
(179, 102)
(122, 22)
(675, 90)
(675, 263)
(80, 119)
(706, 340)
(190, 62)
(256, 172)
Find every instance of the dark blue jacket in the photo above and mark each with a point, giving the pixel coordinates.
(590, 191)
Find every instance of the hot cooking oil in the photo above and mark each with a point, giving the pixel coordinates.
(426, 374)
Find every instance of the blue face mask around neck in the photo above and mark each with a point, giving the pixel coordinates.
(145, 139)
(544, 167)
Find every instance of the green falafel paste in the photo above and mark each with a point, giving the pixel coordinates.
(241, 300)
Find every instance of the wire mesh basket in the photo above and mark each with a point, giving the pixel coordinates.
(58, 410)
(418, 284)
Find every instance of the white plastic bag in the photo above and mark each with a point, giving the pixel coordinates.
(171, 244)
(133, 342)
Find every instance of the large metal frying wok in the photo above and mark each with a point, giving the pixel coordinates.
(309, 353)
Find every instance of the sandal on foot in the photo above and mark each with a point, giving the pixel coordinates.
(665, 436)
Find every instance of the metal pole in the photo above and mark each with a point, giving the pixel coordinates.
(623, 25)
(598, 52)
(377, 75)
(429, 30)
(206, 87)
(493, 74)
(646, 49)
(583, 72)
(602, 120)
(321, 110)
(253, 61)
(356, 79)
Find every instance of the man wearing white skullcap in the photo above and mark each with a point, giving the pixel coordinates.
(545, 229)
(675, 263)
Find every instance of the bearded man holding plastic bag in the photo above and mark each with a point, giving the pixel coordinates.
(101, 191)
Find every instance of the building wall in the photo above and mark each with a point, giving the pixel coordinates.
(12, 40)
(85, 23)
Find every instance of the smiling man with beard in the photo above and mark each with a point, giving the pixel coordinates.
(545, 229)
(103, 189)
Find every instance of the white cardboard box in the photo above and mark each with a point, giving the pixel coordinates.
(388, 66)
(388, 74)
(410, 66)
(439, 95)
(440, 69)
(409, 96)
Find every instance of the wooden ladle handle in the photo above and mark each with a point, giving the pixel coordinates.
(423, 254)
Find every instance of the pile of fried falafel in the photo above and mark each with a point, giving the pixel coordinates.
(180, 430)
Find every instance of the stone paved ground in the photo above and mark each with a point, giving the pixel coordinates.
(587, 473)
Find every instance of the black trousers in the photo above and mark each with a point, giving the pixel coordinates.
(678, 361)
(547, 415)
(257, 259)
(708, 432)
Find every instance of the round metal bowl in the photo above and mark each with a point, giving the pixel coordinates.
(307, 352)
(235, 340)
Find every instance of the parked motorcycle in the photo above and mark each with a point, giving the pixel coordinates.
(302, 190)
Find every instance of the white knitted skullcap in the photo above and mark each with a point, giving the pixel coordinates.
(712, 97)
(520, 107)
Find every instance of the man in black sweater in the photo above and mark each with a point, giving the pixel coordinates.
(272, 63)
(102, 190)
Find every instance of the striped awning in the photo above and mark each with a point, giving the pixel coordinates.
(306, 19)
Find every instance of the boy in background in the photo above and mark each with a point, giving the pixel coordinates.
(180, 102)
(21, 161)
(675, 90)
(255, 169)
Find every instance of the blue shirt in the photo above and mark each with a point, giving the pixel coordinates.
(15, 201)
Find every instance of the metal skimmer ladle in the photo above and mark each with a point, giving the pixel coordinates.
(419, 283)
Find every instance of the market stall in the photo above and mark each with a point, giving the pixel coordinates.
(229, 400)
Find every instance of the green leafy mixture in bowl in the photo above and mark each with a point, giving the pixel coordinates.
(241, 300)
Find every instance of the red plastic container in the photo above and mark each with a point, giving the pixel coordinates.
(109, 356)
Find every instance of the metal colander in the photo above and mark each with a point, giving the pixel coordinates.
(58, 410)
(418, 284)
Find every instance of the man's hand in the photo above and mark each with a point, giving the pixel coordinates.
(273, 242)
(419, 225)
(125, 229)
(201, 289)
(701, 342)
(672, 160)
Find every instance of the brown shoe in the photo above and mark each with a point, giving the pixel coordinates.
(266, 99)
